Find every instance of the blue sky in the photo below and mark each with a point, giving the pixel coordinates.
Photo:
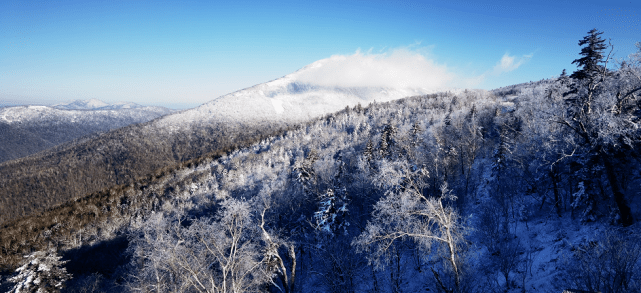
(185, 54)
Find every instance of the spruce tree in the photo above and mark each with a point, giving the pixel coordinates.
(588, 103)
(368, 153)
(387, 140)
(41, 272)
(414, 132)
(592, 53)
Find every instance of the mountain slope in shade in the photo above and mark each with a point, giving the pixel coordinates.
(25, 130)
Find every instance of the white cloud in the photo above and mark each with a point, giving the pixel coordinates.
(397, 68)
(506, 64)
(405, 67)
(509, 63)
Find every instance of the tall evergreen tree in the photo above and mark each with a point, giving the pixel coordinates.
(592, 53)
(305, 173)
(589, 113)
(501, 153)
(387, 140)
(416, 129)
(368, 153)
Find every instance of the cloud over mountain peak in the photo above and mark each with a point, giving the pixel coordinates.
(398, 68)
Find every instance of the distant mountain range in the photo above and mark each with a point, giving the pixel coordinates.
(25, 130)
(94, 104)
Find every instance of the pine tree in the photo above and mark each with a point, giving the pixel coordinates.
(501, 153)
(472, 112)
(305, 174)
(448, 118)
(387, 140)
(358, 108)
(416, 129)
(42, 272)
(590, 63)
(332, 209)
(590, 111)
(369, 152)
(332, 205)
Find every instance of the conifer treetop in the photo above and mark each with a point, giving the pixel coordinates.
(592, 53)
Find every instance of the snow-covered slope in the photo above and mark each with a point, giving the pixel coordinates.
(288, 99)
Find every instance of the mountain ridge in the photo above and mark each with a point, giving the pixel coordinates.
(95, 104)
(290, 99)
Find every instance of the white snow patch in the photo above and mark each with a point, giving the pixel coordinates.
(278, 106)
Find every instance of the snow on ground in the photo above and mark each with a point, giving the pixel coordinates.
(552, 240)
(278, 106)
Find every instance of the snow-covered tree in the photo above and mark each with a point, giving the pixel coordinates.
(332, 208)
(472, 139)
(305, 175)
(414, 134)
(592, 52)
(602, 115)
(388, 141)
(368, 153)
(608, 263)
(405, 213)
(42, 272)
(274, 262)
(219, 256)
(332, 204)
(501, 154)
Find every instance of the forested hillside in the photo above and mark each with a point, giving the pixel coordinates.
(117, 157)
(528, 188)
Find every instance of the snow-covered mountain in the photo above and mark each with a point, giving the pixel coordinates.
(94, 104)
(55, 115)
(290, 99)
(30, 129)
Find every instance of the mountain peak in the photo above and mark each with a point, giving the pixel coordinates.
(299, 96)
